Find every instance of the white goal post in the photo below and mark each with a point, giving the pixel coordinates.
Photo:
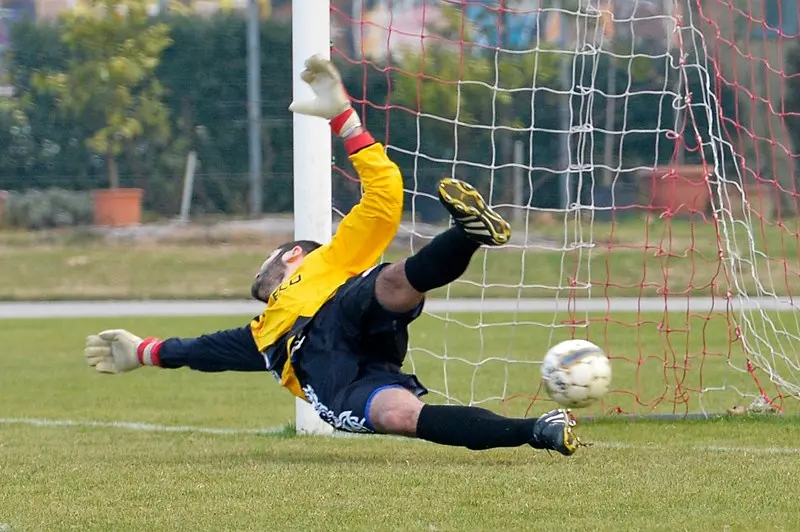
(311, 157)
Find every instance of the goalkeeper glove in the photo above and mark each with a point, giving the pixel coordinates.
(331, 103)
(119, 351)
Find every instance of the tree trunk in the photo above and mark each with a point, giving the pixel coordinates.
(140, 176)
(187, 117)
(113, 171)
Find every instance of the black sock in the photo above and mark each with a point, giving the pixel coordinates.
(471, 427)
(442, 261)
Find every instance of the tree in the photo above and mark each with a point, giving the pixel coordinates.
(756, 66)
(205, 74)
(474, 98)
(464, 79)
(792, 109)
(204, 80)
(109, 78)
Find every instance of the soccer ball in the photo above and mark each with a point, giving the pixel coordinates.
(576, 373)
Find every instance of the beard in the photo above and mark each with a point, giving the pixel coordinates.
(268, 281)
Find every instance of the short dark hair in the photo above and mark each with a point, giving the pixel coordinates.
(306, 245)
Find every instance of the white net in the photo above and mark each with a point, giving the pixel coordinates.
(643, 153)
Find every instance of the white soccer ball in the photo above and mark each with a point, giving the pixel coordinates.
(576, 373)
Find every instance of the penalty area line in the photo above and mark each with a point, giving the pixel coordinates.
(139, 427)
(737, 449)
(271, 431)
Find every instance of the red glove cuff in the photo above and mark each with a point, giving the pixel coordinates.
(147, 352)
(357, 142)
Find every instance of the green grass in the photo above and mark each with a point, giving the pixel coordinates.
(727, 474)
(633, 258)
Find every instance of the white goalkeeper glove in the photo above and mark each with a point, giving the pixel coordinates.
(119, 351)
(331, 101)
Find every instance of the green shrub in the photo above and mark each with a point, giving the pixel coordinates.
(45, 209)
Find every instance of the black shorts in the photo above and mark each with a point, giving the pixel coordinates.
(352, 349)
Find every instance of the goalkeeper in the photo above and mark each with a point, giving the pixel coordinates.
(335, 328)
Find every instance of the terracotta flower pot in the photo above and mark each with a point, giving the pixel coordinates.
(762, 199)
(679, 190)
(117, 207)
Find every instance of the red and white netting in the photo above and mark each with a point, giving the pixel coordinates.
(643, 150)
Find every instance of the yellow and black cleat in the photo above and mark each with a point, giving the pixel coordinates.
(470, 211)
(554, 431)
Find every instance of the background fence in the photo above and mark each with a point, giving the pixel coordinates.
(631, 86)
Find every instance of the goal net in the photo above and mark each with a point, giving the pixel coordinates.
(642, 150)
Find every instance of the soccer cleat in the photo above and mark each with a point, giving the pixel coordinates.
(554, 431)
(472, 214)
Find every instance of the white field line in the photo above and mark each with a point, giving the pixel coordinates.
(135, 426)
(150, 427)
(118, 309)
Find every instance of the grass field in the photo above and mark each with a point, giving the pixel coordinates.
(633, 258)
(727, 474)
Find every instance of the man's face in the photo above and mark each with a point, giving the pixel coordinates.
(269, 277)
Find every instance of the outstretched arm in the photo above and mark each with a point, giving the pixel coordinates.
(118, 351)
(366, 232)
(368, 229)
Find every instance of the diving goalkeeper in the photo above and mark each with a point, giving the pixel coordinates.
(335, 328)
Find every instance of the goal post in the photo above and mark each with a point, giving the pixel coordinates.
(312, 154)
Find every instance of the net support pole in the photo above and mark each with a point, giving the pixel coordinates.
(565, 113)
(311, 155)
(520, 213)
(254, 105)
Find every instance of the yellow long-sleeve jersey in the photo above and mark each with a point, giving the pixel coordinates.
(360, 240)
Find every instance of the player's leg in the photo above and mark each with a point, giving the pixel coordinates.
(350, 366)
(394, 409)
(401, 286)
